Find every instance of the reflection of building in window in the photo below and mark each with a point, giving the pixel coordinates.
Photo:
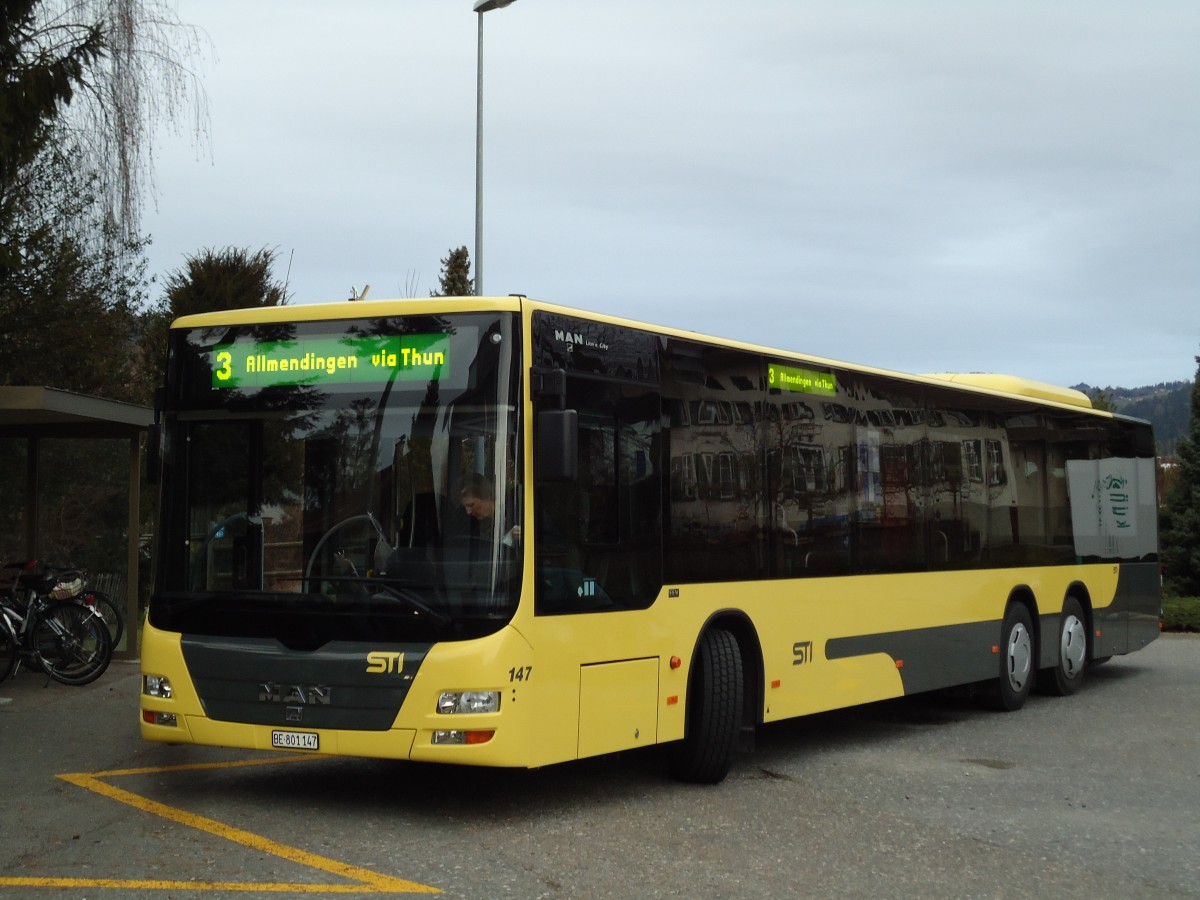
(706, 462)
(725, 472)
(995, 461)
(807, 469)
(971, 452)
(713, 412)
(836, 412)
(683, 477)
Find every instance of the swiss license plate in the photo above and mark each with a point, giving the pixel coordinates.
(295, 740)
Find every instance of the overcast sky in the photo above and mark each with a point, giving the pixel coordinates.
(968, 185)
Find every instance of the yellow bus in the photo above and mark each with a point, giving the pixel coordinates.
(499, 532)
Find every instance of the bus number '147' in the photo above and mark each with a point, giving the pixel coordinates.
(520, 673)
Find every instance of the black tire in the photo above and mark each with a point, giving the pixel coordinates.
(71, 642)
(1071, 653)
(1017, 655)
(714, 711)
(9, 654)
(108, 611)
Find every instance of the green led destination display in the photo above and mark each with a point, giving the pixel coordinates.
(803, 381)
(328, 361)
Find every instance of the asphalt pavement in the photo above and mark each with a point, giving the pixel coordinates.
(1091, 796)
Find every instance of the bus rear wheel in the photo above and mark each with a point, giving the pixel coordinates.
(714, 710)
(1065, 676)
(1017, 654)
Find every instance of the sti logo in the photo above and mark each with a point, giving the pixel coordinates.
(384, 662)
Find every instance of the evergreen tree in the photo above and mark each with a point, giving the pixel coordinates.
(456, 278)
(1102, 400)
(231, 278)
(211, 280)
(1181, 519)
(68, 304)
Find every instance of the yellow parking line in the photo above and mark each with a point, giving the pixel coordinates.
(366, 880)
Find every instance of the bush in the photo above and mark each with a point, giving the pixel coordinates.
(1181, 613)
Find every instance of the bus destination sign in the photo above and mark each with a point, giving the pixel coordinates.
(803, 381)
(329, 361)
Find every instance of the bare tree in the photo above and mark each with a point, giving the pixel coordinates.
(143, 79)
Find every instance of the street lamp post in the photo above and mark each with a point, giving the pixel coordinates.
(481, 6)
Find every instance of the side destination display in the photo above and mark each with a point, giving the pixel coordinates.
(803, 381)
(424, 357)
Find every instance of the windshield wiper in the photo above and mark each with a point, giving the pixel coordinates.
(413, 601)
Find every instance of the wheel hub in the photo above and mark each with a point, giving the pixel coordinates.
(1020, 657)
(1073, 648)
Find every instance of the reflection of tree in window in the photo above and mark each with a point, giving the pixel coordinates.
(597, 476)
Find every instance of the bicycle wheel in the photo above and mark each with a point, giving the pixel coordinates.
(9, 653)
(108, 611)
(72, 642)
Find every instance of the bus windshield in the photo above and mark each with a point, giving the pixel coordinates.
(341, 480)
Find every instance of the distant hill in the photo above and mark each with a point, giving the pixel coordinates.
(1166, 406)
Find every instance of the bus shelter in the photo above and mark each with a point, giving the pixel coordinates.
(36, 415)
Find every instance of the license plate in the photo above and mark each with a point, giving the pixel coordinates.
(295, 740)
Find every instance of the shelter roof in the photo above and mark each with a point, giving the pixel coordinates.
(46, 411)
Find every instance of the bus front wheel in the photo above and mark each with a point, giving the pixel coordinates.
(714, 710)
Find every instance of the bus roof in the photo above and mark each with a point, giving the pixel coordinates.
(1004, 384)
(1011, 384)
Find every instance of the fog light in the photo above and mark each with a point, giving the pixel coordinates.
(158, 718)
(156, 686)
(455, 702)
(462, 737)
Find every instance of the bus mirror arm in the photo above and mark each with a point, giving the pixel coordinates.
(556, 453)
(154, 439)
(550, 383)
(153, 449)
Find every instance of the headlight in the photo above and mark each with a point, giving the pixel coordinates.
(156, 686)
(453, 702)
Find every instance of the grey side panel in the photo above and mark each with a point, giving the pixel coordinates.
(261, 682)
(933, 657)
(1131, 622)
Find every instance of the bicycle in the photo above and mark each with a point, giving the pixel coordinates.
(69, 584)
(113, 618)
(67, 640)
